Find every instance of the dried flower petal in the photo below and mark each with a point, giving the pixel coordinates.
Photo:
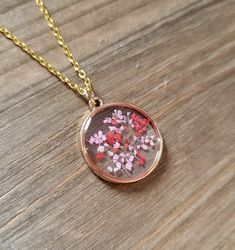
(122, 141)
(110, 169)
(100, 156)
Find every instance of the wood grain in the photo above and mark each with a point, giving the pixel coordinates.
(176, 60)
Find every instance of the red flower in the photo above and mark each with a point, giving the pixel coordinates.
(134, 116)
(141, 161)
(99, 156)
(139, 155)
(113, 137)
(126, 144)
(140, 124)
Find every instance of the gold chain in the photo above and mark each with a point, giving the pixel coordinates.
(86, 90)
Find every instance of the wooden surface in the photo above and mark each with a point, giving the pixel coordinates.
(175, 59)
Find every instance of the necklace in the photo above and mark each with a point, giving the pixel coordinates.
(120, 142)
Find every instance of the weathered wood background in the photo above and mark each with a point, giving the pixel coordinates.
(175, 59)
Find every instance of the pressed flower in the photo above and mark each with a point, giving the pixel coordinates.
(116, 145)
(110, 153)
(114, 122)
(141, 159)
(128, 159)
(126, 128)
(116, 169)
(115, 158)
(100, 156)
(107, 120)
(101, 148)
(113, 137)
(126, 144)
(117, 114)
(116, 129)
(117, 163)
(115, 150)
(123, 145)
(139, 124)
(122, 128)
(116, 119)
(139, 155)
(148, 140)
(141, 162)
(97, 138)
(129, 165)
(144, 143)
(133, 116)
(112, 128)
(110, 169)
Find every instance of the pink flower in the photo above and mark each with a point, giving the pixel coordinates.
(143, 143)
(148, 140)
(107, 120)
(116, 145)
(117, 118)
(116, 129)
(117, 114)
(97, 138)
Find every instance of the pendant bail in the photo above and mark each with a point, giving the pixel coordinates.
(93, 100)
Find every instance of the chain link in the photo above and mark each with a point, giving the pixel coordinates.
(86, 90)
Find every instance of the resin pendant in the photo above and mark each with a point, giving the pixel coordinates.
(121, 142)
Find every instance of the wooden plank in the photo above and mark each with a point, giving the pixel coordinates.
(176, 60)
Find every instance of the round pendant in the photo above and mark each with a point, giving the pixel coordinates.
(121, 142)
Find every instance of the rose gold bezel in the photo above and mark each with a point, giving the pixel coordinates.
(99, 172)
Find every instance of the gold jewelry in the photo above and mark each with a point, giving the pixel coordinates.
(87, 89)
(120, 142)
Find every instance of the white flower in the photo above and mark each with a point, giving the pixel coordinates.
(113, 128)
(145, 142)
(116, 129)
(110, 169)
(129, 165)
(115, 158)
(128, 159)
(148, 140)
(118, 164)
(117, 167)
(101, 149)
(110, 153)
(122, 128)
